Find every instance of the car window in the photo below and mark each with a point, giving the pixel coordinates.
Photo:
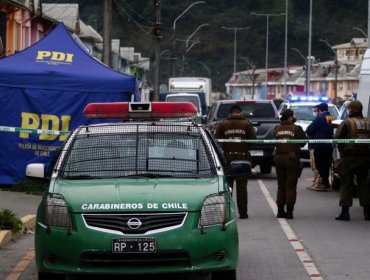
(305, 113)
(250, 110)
(192, 99)
(161, 153)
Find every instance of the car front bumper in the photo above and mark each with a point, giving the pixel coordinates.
(88, 251)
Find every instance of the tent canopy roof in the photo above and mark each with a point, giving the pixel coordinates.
(57, 62)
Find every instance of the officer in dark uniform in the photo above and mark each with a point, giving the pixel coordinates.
(322, 128)
(237, 127)
(355, 160)
(287, 163)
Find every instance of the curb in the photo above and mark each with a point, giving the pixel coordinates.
(28, 221)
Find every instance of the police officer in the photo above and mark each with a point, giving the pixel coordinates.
(237, 127)
(322, 128)
(354, 160)
(287, 163)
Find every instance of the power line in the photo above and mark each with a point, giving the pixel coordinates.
(139, 15)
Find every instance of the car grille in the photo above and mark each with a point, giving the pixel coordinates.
(108, 259)
(134, 223)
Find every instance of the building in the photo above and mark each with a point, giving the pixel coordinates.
(338, 79)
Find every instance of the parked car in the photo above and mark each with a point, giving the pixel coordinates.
(303, 109)
(264, 117)
(138, 197)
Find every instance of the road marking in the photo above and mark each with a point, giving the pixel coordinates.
(296, 243)
(22, 265)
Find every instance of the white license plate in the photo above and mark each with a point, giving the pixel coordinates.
(256, 153)
(134, 245)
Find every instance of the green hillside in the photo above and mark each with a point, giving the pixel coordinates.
(132, 22)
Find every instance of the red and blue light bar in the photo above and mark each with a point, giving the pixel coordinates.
(140, 110)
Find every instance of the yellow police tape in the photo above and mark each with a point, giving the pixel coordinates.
(252, 141)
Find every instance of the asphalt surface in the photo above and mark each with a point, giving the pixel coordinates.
(20, 203)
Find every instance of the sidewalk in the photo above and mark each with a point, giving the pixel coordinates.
(24, 206)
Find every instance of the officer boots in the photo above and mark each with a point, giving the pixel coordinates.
(281, 212)
(289, 211)
(344, 215)
(367, 212)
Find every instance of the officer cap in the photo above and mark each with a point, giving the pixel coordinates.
(286, 114)
(355, 105)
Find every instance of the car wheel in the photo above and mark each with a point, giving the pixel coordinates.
(48, 276)
(224, 275)
(265, 168)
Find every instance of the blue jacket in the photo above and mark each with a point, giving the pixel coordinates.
(321, 128)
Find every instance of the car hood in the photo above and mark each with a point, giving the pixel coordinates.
(303, 124)
(132, 195)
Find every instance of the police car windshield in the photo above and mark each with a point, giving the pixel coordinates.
(305, 112)
(250, 110)
(130, 151)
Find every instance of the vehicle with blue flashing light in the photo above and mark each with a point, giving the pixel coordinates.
(303, 107)
(143, 196)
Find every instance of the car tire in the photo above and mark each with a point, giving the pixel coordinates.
(265, 168)
(48, 276)
(224, 275)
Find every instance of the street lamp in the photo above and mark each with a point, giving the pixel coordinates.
(173, 61)
(305, 62)
(185, 54)
(286, 48)
(359, 29)
(206, 67)
(235, 29)
(267, 40)
(336, 68)
(192, 34)
(251, 65)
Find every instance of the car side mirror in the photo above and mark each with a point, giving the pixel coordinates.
(35, 170)
(240, 168)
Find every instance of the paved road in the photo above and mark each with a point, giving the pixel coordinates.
(312, 246)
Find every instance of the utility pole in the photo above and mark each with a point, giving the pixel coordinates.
(157, 33)
(107, 41)
(286, 74)
(267, 42)
(309, 62)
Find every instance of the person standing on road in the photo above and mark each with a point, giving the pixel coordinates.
(237, 127)
(322, 128)
(316, 181)
(287, 163)
(355, 161)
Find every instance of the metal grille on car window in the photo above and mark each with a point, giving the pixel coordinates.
(114, 151)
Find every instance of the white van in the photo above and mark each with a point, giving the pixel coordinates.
(186, 97)
(364, 86)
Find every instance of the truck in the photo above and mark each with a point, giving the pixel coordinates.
(197, 98)
(264, 117)
(192, 85)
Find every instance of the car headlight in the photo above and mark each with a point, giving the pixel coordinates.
(57, 214)
(215, 211)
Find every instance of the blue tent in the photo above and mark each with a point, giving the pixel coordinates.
(47, 86)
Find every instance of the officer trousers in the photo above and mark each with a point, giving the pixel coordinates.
(355, 166)
(241, 193)
(287, 170)
(323, 157)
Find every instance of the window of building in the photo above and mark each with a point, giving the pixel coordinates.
(26, 36)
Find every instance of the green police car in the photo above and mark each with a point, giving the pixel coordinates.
(138, 197)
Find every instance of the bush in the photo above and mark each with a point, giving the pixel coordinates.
(31, 186)
(9, 221)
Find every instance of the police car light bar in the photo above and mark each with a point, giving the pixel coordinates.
(308, 99)
(139, 110)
